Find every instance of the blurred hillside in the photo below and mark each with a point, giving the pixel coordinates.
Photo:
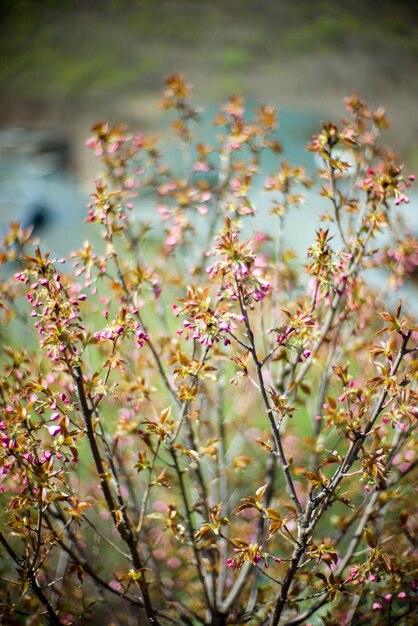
(66, 64)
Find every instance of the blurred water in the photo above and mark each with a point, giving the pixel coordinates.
(37, 187)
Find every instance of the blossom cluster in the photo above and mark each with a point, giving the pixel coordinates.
(249, 459)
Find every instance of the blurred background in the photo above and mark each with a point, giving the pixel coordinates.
(65, 64)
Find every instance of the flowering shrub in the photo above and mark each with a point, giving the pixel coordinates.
(204, 431)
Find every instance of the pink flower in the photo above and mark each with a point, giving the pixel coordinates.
(159, 554)
(167, 188)
(138, 140)
(401, 197)
(91, 142)
(115, 584)
(141, 337)
(22, 277)
(201, 166)
(257, 558)
(376, 606)
(54, 429)
(160, 506)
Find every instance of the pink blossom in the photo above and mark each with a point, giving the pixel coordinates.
(165, 189)
(22, 277)
(159, 554)
(257, 558)
(141, 336)
(160, 506)
(115, 584)
(401, 197)
(54, 429)
(201, 166)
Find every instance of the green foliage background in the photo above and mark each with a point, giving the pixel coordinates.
(60, 60)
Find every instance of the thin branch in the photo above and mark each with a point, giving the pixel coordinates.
(146, 493)
(325, 496)
(119, 517)
(33, 581)
(277, 439)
